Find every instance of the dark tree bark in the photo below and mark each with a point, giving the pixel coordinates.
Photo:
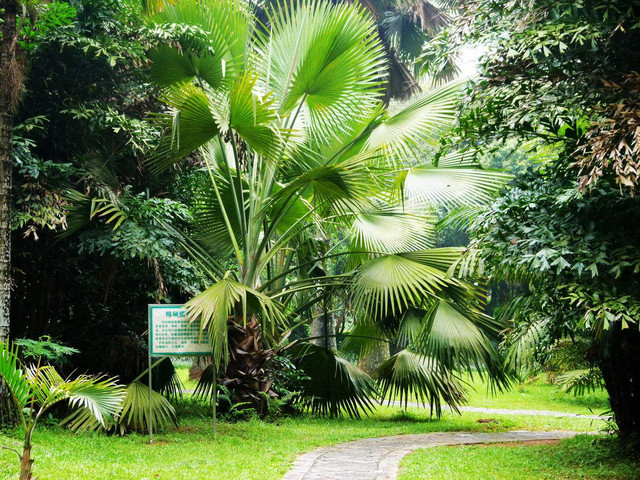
(9, 86)
(620, 366)
(323, 328)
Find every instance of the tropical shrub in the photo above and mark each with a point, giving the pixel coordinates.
(36, 388)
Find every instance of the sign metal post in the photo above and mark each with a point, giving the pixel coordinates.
(171, 334)
(149, 417)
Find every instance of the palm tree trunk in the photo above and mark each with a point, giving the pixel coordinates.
(323, 327)
(26, 463)
(370, 361)
(8, 94)
(246, 375)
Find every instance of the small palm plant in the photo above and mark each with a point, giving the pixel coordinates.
(36, 388)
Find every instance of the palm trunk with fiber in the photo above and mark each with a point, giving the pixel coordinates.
(246, 375)
(26, 463)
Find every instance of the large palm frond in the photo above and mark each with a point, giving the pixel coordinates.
(191, 122)
(13, 375)
(427, 186)
(298, 55)
(408, 375)
(98, 400)
(390, 284)
(213, 307)
(334, 386)
(137, 413)
(96, 405)
(462, 340)
(421, 122)
(391, 231)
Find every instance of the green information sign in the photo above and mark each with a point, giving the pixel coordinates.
(170, 333)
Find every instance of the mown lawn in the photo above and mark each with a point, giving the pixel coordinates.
(531, 395)
(537, 395)
(264, 450)
(248, 450)
(583, 457)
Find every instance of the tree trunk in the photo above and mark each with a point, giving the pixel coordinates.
(25, 464)
(369, 362)
(246, 375)
(620, 366)
(9, 87)
(323, 327)
(8, 94)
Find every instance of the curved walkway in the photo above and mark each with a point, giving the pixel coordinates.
(379, 458)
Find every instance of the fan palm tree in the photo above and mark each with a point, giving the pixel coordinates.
(286, 119)
(405, 27)
(35, 389)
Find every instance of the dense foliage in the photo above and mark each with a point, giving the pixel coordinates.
(242, 157)
(561, 72)
(80, 138)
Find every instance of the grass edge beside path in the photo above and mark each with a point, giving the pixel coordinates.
(582, 457)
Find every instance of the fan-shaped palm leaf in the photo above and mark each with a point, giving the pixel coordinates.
(251, 116)
(98, 402)
(363, 339)
(343, 187)
(307, 43)
(408, 375)
(173, 66)
(137, 413)
(213, 307)
(462, 341)
(391, 231)
(209, 225)
(428, 186)
(335, 386)
(422, 122)
(192, 124)
(390, 284)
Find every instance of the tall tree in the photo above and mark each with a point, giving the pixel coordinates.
(10, 86)
(562, 72)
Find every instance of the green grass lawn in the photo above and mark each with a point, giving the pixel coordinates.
(537, 395)
(264, 450)
(533, 395)
(247, 450)
(582, 457)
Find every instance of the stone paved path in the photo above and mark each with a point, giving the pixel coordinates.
(378, 458)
